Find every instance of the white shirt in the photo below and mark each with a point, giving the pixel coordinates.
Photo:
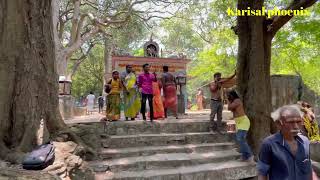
(91, 98)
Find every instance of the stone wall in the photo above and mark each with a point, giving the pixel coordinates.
(315, 156)
(315, 151)
(288, 89)
(66, 104)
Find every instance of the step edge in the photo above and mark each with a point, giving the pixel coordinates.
(141, 159)
(151, 148)
(179, 170)
(168, 134)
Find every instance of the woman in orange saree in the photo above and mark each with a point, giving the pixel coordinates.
(158, 110)
(200, 99)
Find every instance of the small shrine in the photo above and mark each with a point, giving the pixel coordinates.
(151, 49)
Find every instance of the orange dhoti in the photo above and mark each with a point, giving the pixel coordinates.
(170, 97)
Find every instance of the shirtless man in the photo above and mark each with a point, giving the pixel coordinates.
(169, 91)
(242, 124)
(216, 104)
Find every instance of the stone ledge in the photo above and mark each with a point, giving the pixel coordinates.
(165, 161)
(10, 173)
(167, 139)
(150, 150)
(229, 170)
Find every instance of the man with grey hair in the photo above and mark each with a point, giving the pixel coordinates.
(285, 154)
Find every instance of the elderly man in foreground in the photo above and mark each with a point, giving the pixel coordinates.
(285, 155)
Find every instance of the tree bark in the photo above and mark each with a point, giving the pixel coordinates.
(108, 49)
(28, 79)
(61, 58)
(253, 71)
(75, 21)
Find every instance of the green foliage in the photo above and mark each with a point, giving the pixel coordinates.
(219, 58)
(295, 49)
(129, 36)
(203, 33)
(89, 76)
(138, 52)
(180, 37)
(194, 107)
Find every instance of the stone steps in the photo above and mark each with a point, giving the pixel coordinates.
(169, 149)
(228, 170)
(158, 126)
(164, 139)
(150, 150)
(165, 161)
(196, 123)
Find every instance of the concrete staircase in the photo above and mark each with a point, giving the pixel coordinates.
(169, 150)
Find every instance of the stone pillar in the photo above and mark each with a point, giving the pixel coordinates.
(181, 101)
(66, 105)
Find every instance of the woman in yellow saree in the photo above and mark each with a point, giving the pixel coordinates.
(132, 102)
(113, 97)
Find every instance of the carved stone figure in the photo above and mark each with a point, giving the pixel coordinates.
(151, 48)
(152, 51)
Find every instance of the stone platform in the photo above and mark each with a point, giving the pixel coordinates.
(169, 149)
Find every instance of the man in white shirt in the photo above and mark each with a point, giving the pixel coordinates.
(90, 102)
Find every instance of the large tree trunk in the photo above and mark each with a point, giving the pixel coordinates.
(253, 74)
(28, 79)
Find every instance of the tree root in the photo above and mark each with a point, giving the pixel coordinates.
(82, 150)
(10, 156)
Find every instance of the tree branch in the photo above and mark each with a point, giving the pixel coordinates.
(280, 21)
(80, 26)
(114, 15)
(76, 45)
(61, 28)
(75, 21)
(65, 13)
(90, 5)
(81, 59)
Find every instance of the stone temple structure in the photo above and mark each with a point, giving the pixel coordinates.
(177, 66)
